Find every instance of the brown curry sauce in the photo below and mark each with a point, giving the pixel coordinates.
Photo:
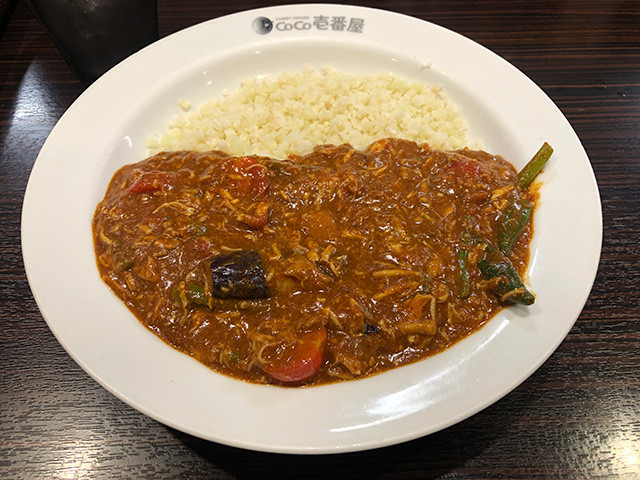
(368, 260)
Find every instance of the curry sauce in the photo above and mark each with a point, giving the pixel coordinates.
(332, 266)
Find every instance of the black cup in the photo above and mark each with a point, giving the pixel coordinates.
(6, 9)
(94, 35)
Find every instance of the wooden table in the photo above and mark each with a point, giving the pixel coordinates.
(577, 417)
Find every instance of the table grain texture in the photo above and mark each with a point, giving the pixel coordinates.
(577, 417)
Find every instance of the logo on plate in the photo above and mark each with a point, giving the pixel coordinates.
(335, 23)
(262, 25)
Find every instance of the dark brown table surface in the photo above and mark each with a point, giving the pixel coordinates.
(577, 417)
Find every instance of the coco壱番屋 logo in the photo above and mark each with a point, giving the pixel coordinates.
(335, 23)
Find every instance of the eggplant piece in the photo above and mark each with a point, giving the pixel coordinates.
(370, 328)
(238, 275)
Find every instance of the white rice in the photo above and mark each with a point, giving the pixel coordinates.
(294, 112)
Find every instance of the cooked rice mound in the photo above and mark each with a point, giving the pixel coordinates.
(293, 112)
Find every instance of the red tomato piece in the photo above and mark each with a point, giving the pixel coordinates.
(299, 361)
(153, 181)
(248, 177)
(467, 166)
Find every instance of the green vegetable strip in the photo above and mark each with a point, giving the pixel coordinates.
(527, 175)
(511, 224)
(509, 287)
(195, 294)
(463, 274)
(175, 296)
(124, 264)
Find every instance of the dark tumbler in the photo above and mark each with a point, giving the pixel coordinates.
(6, 9)
(94, 35)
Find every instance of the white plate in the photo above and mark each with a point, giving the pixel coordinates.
(107, 127)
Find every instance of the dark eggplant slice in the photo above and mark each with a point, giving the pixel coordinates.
(238, 275)
(371, 328)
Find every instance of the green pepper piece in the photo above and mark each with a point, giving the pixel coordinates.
(197, 229)
(175, 296)
(124, 264)
(464, 278)
(510, 287)
(195, 294)
(511, 224)
(527, 175)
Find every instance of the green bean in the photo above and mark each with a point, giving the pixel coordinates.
(527, 175)
(511, 224)
(515, 217)
(509, 286)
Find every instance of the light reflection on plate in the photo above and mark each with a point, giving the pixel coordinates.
(107, 127)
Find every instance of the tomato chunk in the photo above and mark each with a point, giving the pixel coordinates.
(248, 177)
(298, 361)
(153, 181)
(467, 166)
